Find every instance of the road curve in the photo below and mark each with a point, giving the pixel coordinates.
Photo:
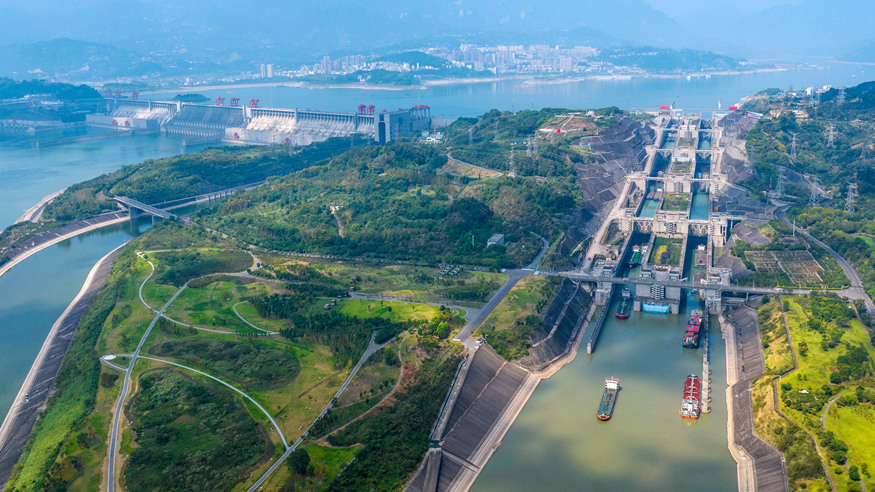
(857, 291)
(113, 438)
(234, 308)
(269, 417)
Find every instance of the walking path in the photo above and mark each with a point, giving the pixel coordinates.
(371, 350)
(113, 440)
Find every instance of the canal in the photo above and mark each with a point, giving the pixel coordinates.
(35, 292)
(558, 444)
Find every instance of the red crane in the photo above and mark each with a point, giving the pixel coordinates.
(220, 101)
(371, 109)
(253, 103)
(118, 94)
(235, 101)
(363, 109)
(135, 96)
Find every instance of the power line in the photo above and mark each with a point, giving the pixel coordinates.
(792, 148)
(830, 142)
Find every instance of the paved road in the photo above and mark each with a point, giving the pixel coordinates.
(464, 335)
(266, 413)
(371, 350)
(856, 291)
(113, 438)
(826, 409)
(39, 383)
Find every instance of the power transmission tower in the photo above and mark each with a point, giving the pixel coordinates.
(840, 99)
(779, 189)
(831, 140)
(529, 148)
(536, 145)
(792, 148)
(470, 136)
(814, 199)
(852, 197)
(512, 172)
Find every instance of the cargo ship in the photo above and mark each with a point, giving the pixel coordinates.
(635, 260)
(625, 306)
(692, 389)
(694, 324)
(609, 398)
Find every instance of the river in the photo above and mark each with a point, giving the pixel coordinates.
(33, 294)
(473, 99)
(646, 440)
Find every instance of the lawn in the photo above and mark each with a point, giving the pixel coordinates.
(528, 297)
(391, 310)
(211, 306)
(815, 368)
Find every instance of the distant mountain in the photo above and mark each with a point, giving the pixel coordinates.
(223, 31)
(811, 28)
(70, 59)
(862, 53)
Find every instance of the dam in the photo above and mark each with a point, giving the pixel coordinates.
(237, 124)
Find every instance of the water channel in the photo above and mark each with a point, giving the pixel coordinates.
(558, 444)
(35, 292)
(645, 446)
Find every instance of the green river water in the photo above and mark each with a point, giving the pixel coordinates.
(557, 443)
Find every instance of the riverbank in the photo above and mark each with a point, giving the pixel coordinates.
(54, 236)
(34, 213)
(39, 383)
(761, 467)
(529, 81)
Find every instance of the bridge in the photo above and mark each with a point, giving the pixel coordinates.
(132, 205)
(683, 284)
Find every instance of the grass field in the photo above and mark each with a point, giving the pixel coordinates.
(374, 377)
(815, 368)
(211, 306)
(391, 310)
(529, 296)
(404, 280)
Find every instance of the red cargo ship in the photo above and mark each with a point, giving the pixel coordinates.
(690, 408)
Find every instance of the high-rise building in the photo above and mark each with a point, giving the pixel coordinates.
(263, 70)
(269, 70)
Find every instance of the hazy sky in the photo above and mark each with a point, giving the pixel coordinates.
(736, 8)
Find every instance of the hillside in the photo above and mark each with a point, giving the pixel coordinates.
(392, 203)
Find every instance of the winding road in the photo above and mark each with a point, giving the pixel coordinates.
(856, 290)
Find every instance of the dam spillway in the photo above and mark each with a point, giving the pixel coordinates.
(252, 125)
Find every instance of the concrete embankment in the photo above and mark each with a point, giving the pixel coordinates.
(31, 246)
(485, 401)
(760, 465)
(489, 393)
(34, 213)
(40, 381)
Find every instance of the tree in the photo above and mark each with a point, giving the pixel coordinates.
(853, 473)
(298, 461)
